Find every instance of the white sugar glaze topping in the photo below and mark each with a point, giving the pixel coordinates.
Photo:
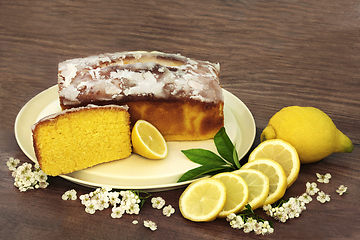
(151, 74)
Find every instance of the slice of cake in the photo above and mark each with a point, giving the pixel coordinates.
(79, 138)
(181, 97)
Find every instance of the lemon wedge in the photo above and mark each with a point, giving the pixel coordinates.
(203, 200)
(147, 141)
(276, 175)
(283, 153)
(237, 193)
(258, 185)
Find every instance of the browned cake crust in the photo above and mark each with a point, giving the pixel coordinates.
(180, 120)
(180, 96)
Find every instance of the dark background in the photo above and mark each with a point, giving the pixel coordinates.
(272, 54)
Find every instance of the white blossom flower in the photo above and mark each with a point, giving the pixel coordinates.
(41, 176)
(150, 224)
(237, 222)
(130, 202)
(230, 217)
(323, 197)
(168, 210)
(157, 202)
(69, 195)
(25, 168)
(37, 166)
(84, 198)
(117, 212)
(103, 202)
(268, 209)
(323, 178)
(311, 188)
(29, 178)
(341, 190)
(25, 178)
(133, 208)
(129, 197)
(105, 190)
(267, 228)
(42, 184)
(305, 198)
(280, 214)
(122, 202)
(91, 206)
(135, 222)
(12, 163)
(249, 225)
(114, 198)
(258, 228)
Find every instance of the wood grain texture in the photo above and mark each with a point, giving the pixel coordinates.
(272, 54)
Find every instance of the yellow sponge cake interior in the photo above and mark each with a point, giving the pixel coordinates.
(82, 137)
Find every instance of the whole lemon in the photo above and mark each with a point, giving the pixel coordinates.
(309, 130)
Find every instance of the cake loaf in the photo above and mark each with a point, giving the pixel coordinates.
(181, 97)
(79, 138)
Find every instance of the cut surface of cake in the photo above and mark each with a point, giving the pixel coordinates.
(79, 138)
(180, 96)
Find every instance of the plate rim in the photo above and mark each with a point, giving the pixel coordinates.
(228, 97)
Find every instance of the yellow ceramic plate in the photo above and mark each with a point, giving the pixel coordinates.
(136, 172)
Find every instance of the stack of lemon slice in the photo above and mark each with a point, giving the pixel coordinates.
(272, 167)
(206, 199)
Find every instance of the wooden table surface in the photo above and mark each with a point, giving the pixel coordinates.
(272, 54)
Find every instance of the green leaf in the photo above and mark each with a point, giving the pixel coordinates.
(210, 162)
(199, 171)
(236, 158)
(203, 157)
(224, 146)
(248, 208)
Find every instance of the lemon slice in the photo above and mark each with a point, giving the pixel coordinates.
(148, 141)
(258, 184)
(237, 193)
(283, 153)
(276, 175)
(203, 200)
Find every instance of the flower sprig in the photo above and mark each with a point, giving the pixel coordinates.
(249, 221)
(26, 175)
(129, 202)
(283, 210)
(122, 202)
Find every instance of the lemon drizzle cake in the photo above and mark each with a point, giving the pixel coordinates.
(181, 97)
(79, 138)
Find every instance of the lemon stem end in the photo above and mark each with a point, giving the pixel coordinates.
(268, 133)
(345, 144)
